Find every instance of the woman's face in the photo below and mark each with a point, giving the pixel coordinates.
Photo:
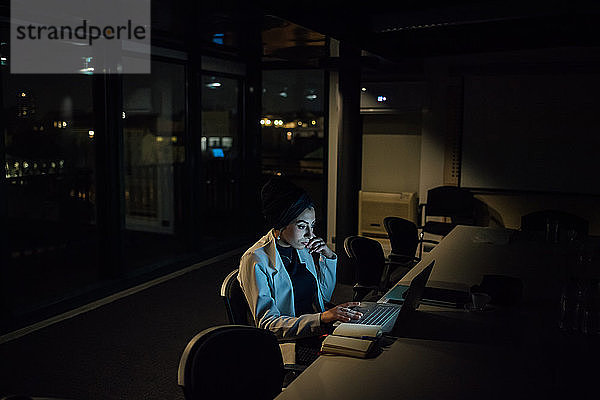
(300, 231)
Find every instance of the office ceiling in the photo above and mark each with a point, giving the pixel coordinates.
(409, 29)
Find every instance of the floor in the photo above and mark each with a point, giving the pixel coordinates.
(127, 349)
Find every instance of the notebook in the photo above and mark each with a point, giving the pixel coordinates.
(387, 315)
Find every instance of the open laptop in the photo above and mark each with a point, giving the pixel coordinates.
(387, 314)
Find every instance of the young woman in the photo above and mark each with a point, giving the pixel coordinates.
(285, 290)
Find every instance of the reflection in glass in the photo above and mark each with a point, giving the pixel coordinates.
(154, 153)
(222, 203)
(292, 126)
(50, 188)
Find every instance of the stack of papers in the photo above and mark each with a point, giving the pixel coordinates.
(355, 340)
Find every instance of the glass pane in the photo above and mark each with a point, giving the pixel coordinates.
(293, 135)
(221, 157)
(154, 155)
(51, 185)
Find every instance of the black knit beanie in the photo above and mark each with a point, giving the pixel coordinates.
(283, 201)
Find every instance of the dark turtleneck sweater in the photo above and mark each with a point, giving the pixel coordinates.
(303, 282)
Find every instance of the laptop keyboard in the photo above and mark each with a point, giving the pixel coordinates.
(379, 315)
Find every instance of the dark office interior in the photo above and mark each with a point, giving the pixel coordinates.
(127, 199)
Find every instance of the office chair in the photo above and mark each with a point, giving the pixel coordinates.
(238, 313)
(231, 362)
(542, 219)
(451, 202)
(236, 306)
(371, 267)
(404, 239)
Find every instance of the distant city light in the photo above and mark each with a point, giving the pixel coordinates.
(123, 115)
(364, 89)
(91, 134)
(289, 135)
(381, 98)
(213, 85)
(59, 124)
(311, 96)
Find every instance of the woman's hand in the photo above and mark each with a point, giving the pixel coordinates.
(341, 313)
(318, 245)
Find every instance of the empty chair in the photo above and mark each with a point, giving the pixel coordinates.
(372, 269)
(451, 202)
(404, 239)
(231, 362)
(563, 222)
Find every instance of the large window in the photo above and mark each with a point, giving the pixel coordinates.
(293, 132)
(91, 208)
(153, 158)
(221, 185)
(50, 186)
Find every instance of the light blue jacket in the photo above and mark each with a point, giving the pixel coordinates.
(268, 289)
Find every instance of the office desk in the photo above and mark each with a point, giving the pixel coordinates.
(415, 369)
(446, 353)
(469, 252)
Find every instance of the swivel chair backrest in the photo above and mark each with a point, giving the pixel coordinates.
(451, 201)
(231, 362)
(368, 258)
(403, 234)
(238, 311)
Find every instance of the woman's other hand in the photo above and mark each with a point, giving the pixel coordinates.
(343, 313)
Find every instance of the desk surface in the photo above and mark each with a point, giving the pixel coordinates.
(453, 353)
(469, 252)
(415, 369)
